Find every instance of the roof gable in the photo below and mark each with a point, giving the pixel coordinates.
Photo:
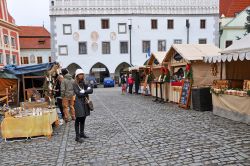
(239, 20)
(229, 8)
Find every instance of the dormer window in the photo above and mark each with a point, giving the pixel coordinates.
(41, 42)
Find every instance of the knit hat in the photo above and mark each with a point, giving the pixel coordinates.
(65, 71)
(78, 71)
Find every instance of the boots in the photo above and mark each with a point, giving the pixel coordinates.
(78, 139)
(82, 135)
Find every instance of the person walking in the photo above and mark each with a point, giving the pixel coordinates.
(81, 108)
(130, 83)
(58, 94)
(123, 82)
(67, 94)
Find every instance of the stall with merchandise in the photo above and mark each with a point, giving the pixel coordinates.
(186, 63)
(231, 95)
(158, 76)
(36, 114)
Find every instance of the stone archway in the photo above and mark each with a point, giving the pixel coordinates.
(120, 70)
(73, 67)
(100, 71)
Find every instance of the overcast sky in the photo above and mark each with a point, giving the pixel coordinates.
(30, 12)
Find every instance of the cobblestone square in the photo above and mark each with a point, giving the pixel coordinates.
(133, 130)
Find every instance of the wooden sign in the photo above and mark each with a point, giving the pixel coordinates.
(185, 94)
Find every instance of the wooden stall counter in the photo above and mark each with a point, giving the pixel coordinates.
(29, 126)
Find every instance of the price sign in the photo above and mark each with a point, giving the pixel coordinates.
(185, 94)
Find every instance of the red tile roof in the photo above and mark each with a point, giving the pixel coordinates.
(230, 7)
(32, 37)
(33, 31)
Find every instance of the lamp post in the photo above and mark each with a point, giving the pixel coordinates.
(187, 26)
(130, 41)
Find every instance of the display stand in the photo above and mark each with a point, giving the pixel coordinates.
(185, 94)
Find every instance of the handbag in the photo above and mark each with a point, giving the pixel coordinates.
(90, 104)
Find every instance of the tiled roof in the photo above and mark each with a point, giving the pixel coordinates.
(229, 8)
(33, 31)
(32, 37)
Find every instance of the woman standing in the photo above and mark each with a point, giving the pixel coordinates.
(81, 108)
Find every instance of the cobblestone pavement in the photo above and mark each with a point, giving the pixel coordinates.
(133, 130)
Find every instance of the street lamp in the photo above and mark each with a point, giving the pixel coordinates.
(187, 26)
(130, 41)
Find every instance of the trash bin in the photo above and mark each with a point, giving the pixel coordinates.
(202, 99)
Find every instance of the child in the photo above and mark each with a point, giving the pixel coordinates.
(123, 81)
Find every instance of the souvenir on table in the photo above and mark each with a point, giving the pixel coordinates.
(246, 85)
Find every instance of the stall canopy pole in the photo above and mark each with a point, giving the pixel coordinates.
(24, 95)
(221, 68)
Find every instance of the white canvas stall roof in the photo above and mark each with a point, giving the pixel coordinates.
(159, 56)
(191, 52)
(239, 50)
(136, 68)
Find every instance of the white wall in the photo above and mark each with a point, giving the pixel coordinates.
(45, 53)
(141, 30)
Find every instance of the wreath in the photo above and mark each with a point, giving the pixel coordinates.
(189, 72)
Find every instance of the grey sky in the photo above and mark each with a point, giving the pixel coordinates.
(30, 12)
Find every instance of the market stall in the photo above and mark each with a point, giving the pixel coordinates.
(159, 76)
(186, 62)
(37, 113)
(139, 74)
(231, 95)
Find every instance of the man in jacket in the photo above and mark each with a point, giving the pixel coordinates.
(67, 94)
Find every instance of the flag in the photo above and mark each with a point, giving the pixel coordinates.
(148, 52)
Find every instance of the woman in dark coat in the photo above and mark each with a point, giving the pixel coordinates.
(81, 108)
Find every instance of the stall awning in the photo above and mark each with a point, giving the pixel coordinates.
(191, 52)
(239, 50)
(19, 70)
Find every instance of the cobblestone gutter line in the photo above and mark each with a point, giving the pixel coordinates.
(136, 142)
(62, 150)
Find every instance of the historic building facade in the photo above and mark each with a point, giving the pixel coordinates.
(34, 45)
(96, 35)
(9, 38)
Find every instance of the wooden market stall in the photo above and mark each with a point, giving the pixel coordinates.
(231, 96)
(158, 75)
(34, 116)
(138, 73)
(186, 62)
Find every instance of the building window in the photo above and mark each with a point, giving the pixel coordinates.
(105, 24)
(39, 60)
(50, 59)
(1, 58)
(123, 47)
(105, 47)
(8, 60)
(170, 24)
(153, 24)
(82, 47)
(14, 59)
(25, 60)
(177, 41)
(145, 46)
(63, 50)
(202, 24)
(13, 43)
(202, 41)
(81, 24)
(161, 45)
(67, 29)
(228, 43)
(122, 28)
(6, 40)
